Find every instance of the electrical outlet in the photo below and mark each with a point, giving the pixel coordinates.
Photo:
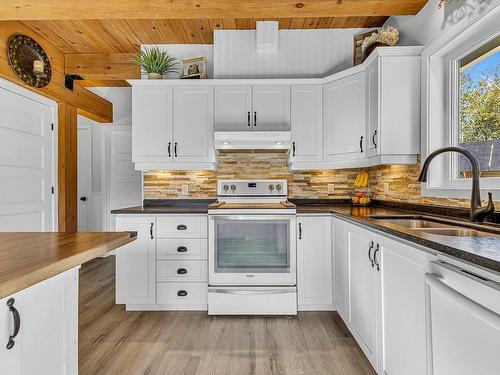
(386, 188)
(185, 189)
(331, 188)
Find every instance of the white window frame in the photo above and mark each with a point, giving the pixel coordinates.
(440, 105)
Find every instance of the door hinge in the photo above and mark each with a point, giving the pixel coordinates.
(52, 126)
(52, 189)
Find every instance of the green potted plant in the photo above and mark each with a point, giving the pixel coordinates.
(155, 62)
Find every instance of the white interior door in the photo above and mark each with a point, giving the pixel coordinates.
(27, 160)
(84, 175)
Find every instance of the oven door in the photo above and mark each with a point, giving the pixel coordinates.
(252, 250)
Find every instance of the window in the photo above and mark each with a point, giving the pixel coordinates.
(479, 109)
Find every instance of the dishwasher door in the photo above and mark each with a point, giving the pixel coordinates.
(463, 322)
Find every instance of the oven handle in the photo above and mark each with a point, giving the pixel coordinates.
(252, 292)
(262, 217)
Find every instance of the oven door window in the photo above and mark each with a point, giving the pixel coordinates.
(252, 246)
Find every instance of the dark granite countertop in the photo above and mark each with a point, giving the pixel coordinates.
(481, 251)
(168, 206)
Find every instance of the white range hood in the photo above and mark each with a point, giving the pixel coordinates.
(252, 140)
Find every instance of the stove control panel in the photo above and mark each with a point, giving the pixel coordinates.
(252, 188)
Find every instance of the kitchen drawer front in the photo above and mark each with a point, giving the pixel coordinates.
(181, 226)
(182, 270)
(183, 295)
(181, 248)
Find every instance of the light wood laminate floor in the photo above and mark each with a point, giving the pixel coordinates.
(114, 341)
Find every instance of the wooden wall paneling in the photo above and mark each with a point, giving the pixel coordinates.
(229, 23)
(88, 103)
(205, 31)
(51, 35)
(122, 31)
(106, 66)
(192, 31)
(67, 167)
(179, 30)
(154, 9)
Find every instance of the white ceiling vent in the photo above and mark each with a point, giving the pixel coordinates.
(267, 36)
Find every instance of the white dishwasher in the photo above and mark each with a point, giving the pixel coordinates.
(463, 320)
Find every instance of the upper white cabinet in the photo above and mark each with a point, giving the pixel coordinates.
(344, 120)
(271, 107)
(306, 123)
(172, 127)
(193, 128)
(151, 124)
(372, 109)
(247, 107)
(314, 263)
(233, 108)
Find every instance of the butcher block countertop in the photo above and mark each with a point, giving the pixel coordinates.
(29, 258)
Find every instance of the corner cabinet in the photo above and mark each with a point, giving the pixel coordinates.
(172, 127)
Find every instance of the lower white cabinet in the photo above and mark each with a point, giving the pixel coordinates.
(47, 341)
(314, 263)
(136, 262)
(341, 268)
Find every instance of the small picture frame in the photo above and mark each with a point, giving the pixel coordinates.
(195, 68)
(358, 56)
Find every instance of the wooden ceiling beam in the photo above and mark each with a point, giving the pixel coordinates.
(167, 9)
(102, 67)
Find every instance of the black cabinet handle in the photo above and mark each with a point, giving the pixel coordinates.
(248, 118)
(361, 144)
(83, 199)
(182, 227)
(181, 271)
(370, 252)
(293, 148)
(255, 118)
(17, 322)
(375, 257)
(151, 230)
(373, 138)
(300, 231)
(182, 249)
(168, 148)
(175, 149)
(182, 293)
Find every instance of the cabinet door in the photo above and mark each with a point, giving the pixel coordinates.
(344, 121)
(151, 124)
(341, 268)
(271, 108)
(193, 124)
(47, 339)
(372, 109)
(136, 262)
(403, 308)
(307, 123)
(233, 108)
(314, 263)
(362, 282)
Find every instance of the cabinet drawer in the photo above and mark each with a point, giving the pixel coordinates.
(181, 248)
(183, 295)
(193, 270)
(182, 226)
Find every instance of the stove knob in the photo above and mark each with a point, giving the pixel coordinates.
(271, 187)
(233, 188)
(225, 187)
(278, 187)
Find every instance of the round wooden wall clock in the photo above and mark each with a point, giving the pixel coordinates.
(29, 61)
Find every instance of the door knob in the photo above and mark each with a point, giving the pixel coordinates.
(83, 199)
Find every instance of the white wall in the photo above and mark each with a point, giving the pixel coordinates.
(431, 22)
(301, 53)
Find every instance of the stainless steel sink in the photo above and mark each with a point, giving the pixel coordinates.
(436, 226)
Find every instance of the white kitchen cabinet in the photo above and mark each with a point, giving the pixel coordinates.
(344, 118)
(306, 123)
(341, 268)
(233, 108)
(372, 109)
(152, 124)
(403, 330)
(363, 290)
(193, 124)
(314, 263)
(136, 262)
(271, 107)
(47, 342)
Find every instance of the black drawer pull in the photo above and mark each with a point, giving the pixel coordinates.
(182, 249)
(182, 293)
(182, 227)
(181, 271)
(361, 144)
(17, 322)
